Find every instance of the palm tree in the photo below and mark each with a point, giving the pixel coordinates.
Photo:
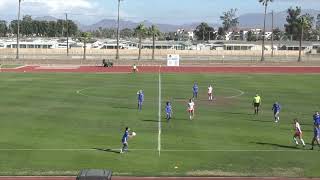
(141, 32)
(265, 4)
(303, 24)
(85, 37)
(154, 32)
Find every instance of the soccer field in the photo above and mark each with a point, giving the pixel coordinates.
(59, 123)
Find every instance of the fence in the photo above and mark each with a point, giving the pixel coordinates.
(76, 55)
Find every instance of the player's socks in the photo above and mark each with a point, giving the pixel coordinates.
(295, 141)
(303, 143)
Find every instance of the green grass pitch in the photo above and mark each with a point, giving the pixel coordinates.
(57, 124)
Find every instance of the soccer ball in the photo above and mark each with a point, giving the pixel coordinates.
(134, 134)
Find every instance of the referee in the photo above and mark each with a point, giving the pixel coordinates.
(256, 103)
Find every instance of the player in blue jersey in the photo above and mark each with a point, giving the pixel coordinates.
(316, 136)
(195, 89)
(140, 99)
(276, 111)
(168, 111)
(316, 118)
(124, 140)
(316, 129)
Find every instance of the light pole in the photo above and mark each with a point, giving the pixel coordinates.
(118, 30)
(18, 31)
(67, 34)
(272, 35)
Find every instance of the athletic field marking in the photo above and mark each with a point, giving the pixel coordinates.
(172, 150)
(80, 92)
(235, 96)
(159, 113)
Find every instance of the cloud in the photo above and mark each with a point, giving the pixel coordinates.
(58, 6)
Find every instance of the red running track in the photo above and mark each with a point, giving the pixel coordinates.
(183, 69)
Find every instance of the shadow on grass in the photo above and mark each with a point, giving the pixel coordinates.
(276, 145)
(149, 120)
(124, 107)
(263, 121)
(108, 150)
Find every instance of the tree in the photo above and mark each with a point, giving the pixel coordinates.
(3, 28)
(204, 32)
(85, 37)
(292, 26)
(52, 29)
(30, 27)
(154, 32)
(304, 23)
(251, 36)
(265, 3)
(318, 22)
(229, 19)
(221, 33)
(126, 33)
(60, 27)
(277, 34)
(26, 26)
(14, 26)
(140, 31)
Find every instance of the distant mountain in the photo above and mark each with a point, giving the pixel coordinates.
(248, 21)
(110, 23)
(255, 20)
(46, 18)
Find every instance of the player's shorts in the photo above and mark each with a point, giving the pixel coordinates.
(276, 112)
(297, 134)
(317, 133)
(209, 94)
(190, 110)
(256, 104)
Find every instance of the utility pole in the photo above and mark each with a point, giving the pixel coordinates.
(18, 31)
(264, 31)
(272, 35)
(118, 31)
(67, 23)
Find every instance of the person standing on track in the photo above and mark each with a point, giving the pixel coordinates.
(134, 68)
(276, 111)
(195, 89)
(256, 104)
(140, 99)
(298, 133)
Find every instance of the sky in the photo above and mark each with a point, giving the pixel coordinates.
(157, 11)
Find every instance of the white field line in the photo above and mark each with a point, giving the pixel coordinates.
(80, 92)
(168, 150)
(235, 96)
(159, 114)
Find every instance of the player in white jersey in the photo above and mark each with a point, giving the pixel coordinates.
(298, 133)
(191, 109)
(210, 89)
